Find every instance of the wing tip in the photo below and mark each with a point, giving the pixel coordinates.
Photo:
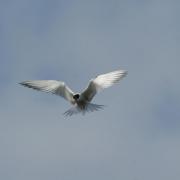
(22, 83)
(125, 72)
(122, 73)
(26, 84)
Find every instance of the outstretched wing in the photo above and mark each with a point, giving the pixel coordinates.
(52, 86)
(101, 82)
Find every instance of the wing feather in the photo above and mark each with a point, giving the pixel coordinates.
(101, 82)
(51, 86)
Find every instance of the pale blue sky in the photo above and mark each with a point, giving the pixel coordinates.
(137, 136)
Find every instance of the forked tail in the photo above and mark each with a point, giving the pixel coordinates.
(88, 108)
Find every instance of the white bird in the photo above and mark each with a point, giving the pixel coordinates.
(80, 101)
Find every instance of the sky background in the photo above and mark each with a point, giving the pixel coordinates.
(137, 136)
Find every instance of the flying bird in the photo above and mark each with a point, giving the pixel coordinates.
(81, 101)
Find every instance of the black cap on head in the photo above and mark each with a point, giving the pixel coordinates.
(76, 96)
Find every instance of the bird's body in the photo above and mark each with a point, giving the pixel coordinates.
(81, 101)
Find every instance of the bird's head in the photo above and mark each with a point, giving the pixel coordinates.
(76, 97)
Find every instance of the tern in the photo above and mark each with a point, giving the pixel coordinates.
(81, 101)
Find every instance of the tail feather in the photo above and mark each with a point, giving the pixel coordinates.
(72, 111)
(88, 108)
